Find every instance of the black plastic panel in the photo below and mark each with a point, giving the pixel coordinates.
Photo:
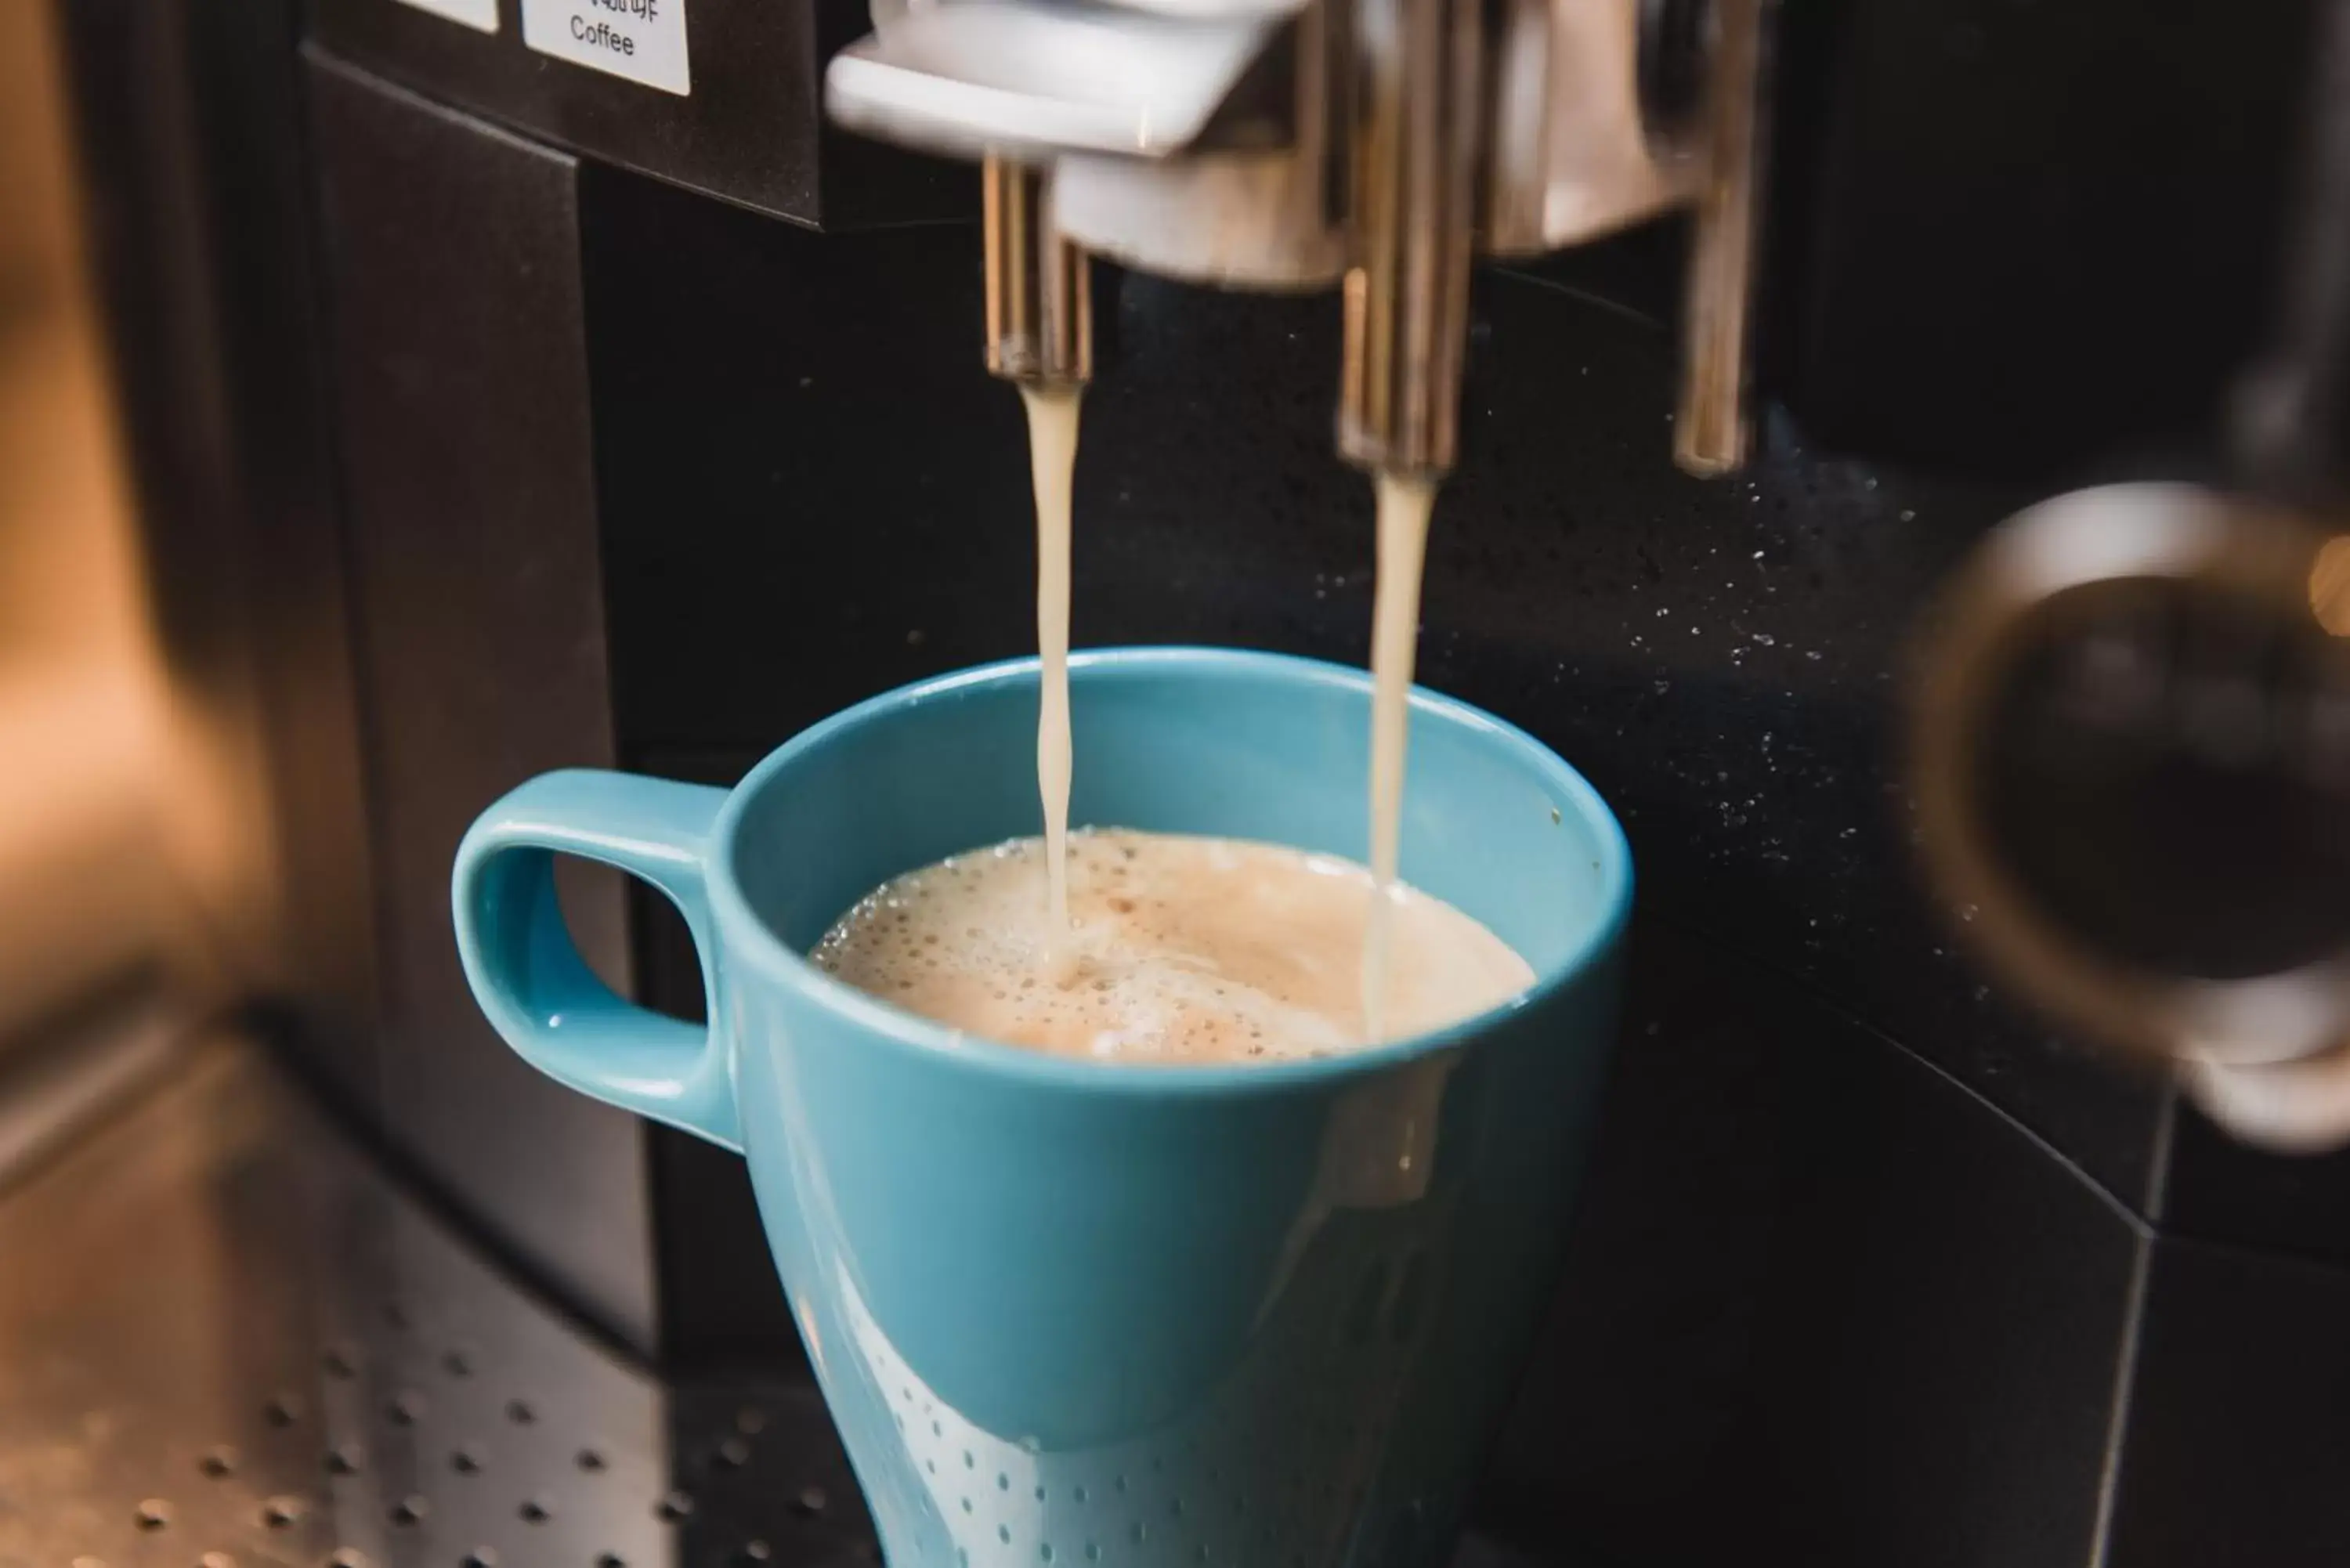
(1823, 1306)
(2239, 1422)
(2220, 1189)
(463, 425)
(2025, 237)
(752, 130)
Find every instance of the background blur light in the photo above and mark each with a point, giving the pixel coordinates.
(114, 831)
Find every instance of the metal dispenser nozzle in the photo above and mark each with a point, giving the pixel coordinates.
(1412, 175)
(1711, 428)
(1290, 144)
(1040, 328)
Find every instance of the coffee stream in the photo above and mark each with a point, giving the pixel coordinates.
(1404, 505)
(1052, 459)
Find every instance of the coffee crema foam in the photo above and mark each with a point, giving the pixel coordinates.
(1180, 948)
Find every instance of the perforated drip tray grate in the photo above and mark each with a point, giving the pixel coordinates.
(227, 1341)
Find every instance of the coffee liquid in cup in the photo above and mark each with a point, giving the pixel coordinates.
(1179, 948)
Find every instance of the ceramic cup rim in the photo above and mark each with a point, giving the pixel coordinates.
(746, 937)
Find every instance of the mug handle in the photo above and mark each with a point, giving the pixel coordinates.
(529, 978)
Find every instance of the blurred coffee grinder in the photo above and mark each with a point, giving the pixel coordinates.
(2132, 739)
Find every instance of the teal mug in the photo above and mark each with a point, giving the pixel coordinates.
(1074, 1312)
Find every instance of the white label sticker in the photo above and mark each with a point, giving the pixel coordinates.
(643, 40)
(480, 15)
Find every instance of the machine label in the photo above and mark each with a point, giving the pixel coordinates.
(480, 15)
(643, 40)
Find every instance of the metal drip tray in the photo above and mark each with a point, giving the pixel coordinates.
(226, 1339)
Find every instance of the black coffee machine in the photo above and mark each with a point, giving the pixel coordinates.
(500, 397)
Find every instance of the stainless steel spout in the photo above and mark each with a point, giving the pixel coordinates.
(1040, 328)
(1710, 429)
(1412, 176)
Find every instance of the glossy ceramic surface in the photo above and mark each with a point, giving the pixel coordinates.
(1070, 1313)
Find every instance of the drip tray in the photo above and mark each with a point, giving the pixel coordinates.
(227, 1341)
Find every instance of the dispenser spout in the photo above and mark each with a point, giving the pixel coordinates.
(1412, 179)
(1287, 144)
(1040, 328)
(1710, 429)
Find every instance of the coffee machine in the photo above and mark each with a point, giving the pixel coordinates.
(518, 383)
